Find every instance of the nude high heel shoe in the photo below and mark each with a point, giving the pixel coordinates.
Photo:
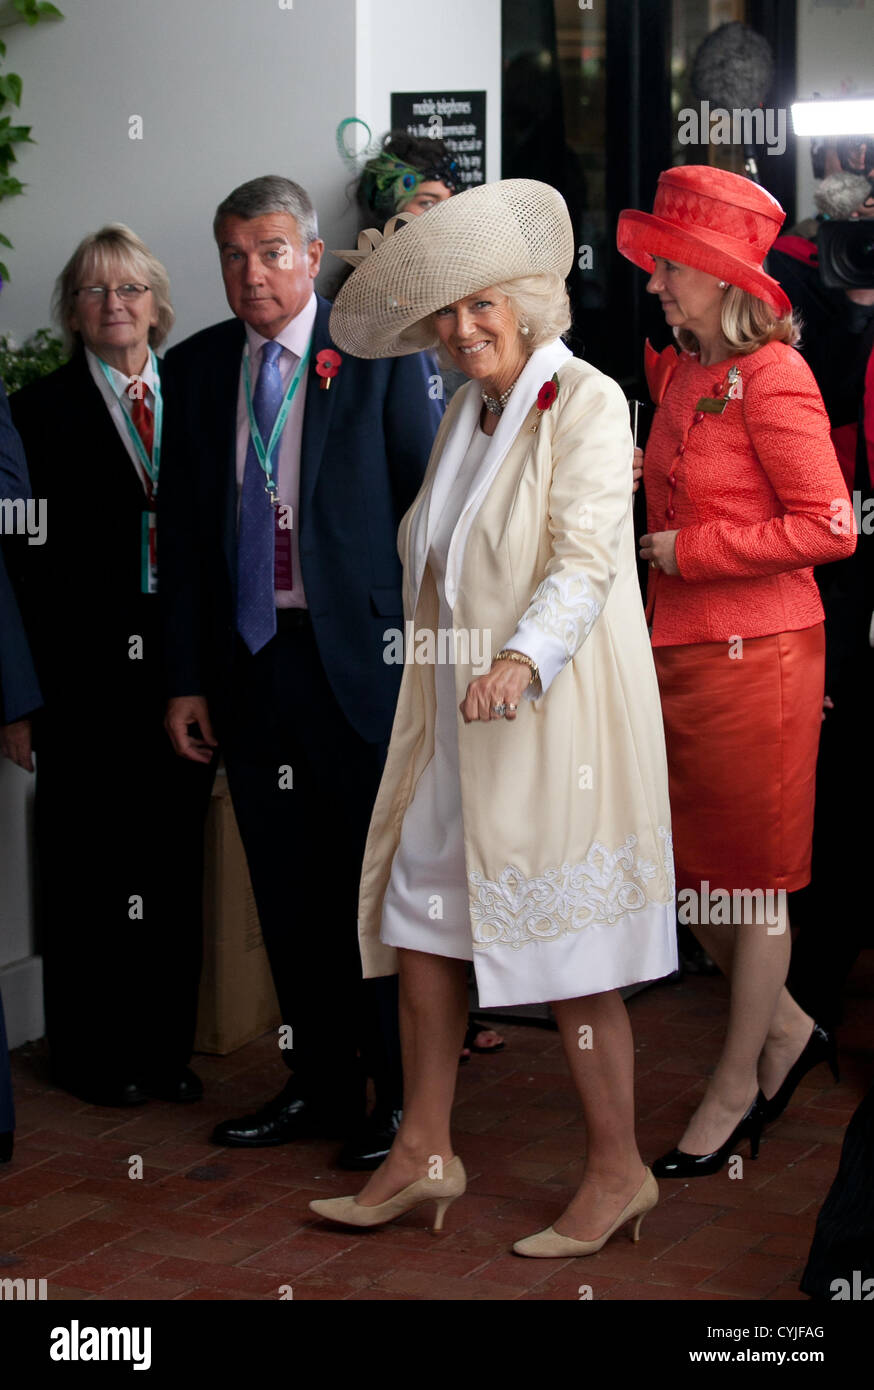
(443, 1190)
(549, 1245)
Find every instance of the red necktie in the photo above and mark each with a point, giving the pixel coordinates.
(283, 577)
(144, 424)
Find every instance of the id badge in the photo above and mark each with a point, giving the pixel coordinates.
(149, 554)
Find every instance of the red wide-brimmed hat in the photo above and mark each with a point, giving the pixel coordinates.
(711, 220)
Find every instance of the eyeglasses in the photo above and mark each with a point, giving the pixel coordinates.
(95, 294)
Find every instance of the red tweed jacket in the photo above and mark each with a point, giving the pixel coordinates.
(751, 492)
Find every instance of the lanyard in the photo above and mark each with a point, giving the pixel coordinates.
(265, 455)
(151, 465)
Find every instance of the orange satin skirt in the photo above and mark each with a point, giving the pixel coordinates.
(742, 738)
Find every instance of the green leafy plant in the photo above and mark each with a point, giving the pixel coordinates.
(15, 12)
(41, 354)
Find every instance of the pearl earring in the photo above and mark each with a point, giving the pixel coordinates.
(723, 284)
(524, 330)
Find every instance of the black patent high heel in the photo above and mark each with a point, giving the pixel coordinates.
(677, 1164)
(821, 1047)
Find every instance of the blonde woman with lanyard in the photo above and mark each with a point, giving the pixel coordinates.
(118, 816)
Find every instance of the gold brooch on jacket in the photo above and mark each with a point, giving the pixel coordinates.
(715, 405)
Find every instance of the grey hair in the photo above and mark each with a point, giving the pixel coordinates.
(538, 302)
(113, 244)
(271, 193)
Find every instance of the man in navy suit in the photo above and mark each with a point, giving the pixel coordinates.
(19, 691)
(19, 697)
(282, 489)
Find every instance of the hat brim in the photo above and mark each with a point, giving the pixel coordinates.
(640, 236)
(484, 236)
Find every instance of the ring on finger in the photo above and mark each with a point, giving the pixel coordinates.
(499, 710)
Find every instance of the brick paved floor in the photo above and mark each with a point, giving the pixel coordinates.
(208, 1223)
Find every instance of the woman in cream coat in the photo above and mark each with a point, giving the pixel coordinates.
(522, 820)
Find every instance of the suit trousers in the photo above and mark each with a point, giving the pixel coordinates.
(843, 1242)
(119, 839)
(7, 1108)
(303, 784)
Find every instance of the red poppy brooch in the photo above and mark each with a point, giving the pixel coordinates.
(327, 366)
(546, 398)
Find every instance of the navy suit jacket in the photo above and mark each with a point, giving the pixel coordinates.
(19, 692)
(365, 446)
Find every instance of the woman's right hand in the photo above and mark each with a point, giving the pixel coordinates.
(637, 468)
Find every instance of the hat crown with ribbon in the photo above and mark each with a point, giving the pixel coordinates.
(484, 236)
(712, 220)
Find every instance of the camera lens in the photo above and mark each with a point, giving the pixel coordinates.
(846, 255)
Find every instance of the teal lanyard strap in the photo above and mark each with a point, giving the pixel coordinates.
(151, 465)
(265, 455)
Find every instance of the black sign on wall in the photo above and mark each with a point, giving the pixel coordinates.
(457, 118)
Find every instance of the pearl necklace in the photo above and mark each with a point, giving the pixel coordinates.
(495, 405)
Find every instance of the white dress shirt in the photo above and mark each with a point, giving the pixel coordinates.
(119, 403)
(294, 340)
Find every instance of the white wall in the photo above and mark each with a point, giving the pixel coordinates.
(430, 45)
(835, 57)
(227, 89)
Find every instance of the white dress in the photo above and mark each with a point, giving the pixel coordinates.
(426, 906)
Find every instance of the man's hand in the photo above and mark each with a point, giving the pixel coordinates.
(637, 468)
(660, 550)
(503, 685)
(182, 712)
(16, 743)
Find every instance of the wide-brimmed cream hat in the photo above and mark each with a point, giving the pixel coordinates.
(495, 232)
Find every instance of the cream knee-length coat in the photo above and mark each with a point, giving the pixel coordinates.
(565, 810)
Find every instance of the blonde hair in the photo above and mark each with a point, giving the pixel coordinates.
(539, 302)
(94, 255)
(747, 324)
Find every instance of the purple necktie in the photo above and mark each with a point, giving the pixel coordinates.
(256, 603)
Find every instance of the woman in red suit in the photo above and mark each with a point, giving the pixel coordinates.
(744, 497)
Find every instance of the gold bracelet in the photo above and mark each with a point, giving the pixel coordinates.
(521, 657)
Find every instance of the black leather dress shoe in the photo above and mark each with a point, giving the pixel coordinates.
(105, 1093)
(678, 1164)
(285, 1118)
(6, 1146)
(367, 1148)
(178, 1086)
